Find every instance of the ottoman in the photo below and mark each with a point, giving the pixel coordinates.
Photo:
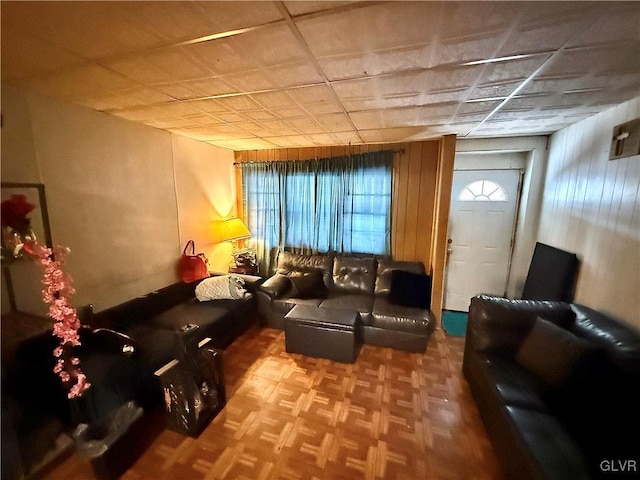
(322, 332)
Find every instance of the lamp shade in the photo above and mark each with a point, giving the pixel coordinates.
(233, 229)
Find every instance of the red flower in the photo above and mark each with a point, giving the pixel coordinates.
(14, 213)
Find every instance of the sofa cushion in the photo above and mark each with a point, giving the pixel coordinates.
(550, 352)
(506, 382)
(294, 262)
(410, 289)
(385, 269)
(354, 275)
(276, 286)
(500, 325)
(397, 317)
(203, 314)
(307, 284)
(546, 444)
(598, 404)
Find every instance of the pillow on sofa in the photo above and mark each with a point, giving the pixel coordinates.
(550, 352)
(220, 287)
(276, 285)
(307, 284)
(410, 289)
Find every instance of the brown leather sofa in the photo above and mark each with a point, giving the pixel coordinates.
(558, 398)
(363, 284)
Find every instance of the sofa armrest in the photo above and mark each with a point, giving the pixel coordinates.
(107, 340)
(276, 286)
(499, 325)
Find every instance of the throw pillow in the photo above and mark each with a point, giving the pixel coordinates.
(550, 352)
(410, 289)
(220, 288)
(307, 284)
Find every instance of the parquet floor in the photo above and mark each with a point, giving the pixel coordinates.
(390, 415)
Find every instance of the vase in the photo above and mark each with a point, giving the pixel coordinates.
(14, 240)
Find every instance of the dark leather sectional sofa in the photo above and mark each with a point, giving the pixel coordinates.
(559, 401)
(362, 284)
(150, 324)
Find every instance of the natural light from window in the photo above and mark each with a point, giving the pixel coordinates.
(483, 191)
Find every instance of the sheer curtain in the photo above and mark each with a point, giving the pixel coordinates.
(339, 204)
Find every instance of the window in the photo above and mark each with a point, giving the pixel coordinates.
(483, 191)
(338, 204)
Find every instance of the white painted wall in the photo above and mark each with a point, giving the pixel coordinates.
(510, 152)
(121, 196)
(591, 206)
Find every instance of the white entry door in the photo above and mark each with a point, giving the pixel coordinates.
(481, 224)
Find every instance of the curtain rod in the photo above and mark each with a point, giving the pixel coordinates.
(401, 151)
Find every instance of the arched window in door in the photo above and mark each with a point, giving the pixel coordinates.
(483, 191)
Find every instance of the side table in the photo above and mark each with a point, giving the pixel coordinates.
(194, 390)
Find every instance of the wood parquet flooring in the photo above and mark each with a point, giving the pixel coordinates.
(389, 415)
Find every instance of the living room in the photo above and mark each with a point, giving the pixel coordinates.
(124, 194)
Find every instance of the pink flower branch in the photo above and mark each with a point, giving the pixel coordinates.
(58, 289)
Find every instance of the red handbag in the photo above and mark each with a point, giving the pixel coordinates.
(192, 267)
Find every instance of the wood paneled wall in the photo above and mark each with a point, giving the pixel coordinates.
(417, 182)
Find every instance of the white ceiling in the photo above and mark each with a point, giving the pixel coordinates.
(253, 75)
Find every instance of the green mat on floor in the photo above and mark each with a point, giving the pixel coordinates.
(454, 323)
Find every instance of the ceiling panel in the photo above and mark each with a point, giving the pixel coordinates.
(267, 74)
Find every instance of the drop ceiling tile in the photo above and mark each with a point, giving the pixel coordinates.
(239, 103)
(346, 138)
(212, 106)
(251, 81)
(548, 36)
(306, 125)
(134, 97)
(512, 69)
(83, 82)
(322, 139)
(596, 60)
(88, 29)
(477, 107)
(280, 127)
(246, 144)
(455, 95)
(230, 15)
(398, 59)
(370, 28)
(392, 135)
(437, 112)
(401, 117)
(212, 86)
(259, 115)
(173, 21)
(617, 22)
(274, 100)
(229, 117)
(293, 74)
(160, 66)
(305, 7)
(289, 112)
(480, 47)
(368, 120)
(494, 90)
(42, 58)
(334, 122)
(221, 57)
(174, 110)
(455, 77)
(271, 46)
(463, 19)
